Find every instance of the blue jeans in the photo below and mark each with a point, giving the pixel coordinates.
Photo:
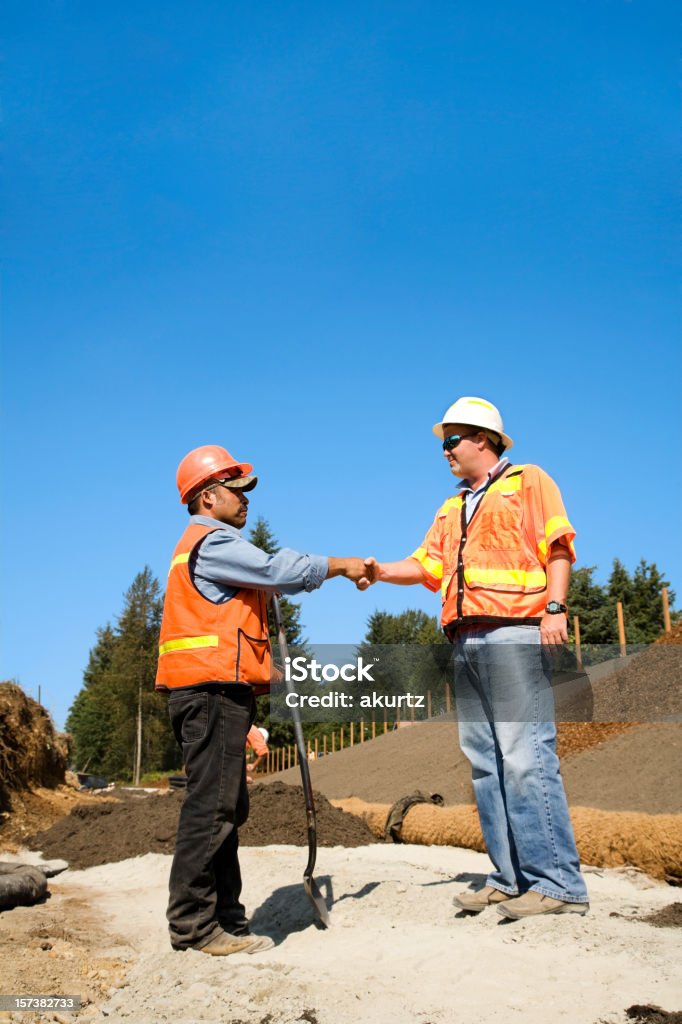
(507, 731)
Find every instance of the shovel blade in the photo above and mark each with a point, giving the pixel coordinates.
(317, 900)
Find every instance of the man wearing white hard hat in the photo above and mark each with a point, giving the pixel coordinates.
(500, 552)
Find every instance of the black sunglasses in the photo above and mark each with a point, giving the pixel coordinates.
(453, 440)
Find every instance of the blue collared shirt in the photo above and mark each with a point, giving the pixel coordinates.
(471, 497)
(225, 562)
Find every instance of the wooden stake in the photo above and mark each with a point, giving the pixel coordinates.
(621, 630)
(333, 743)
(412, 713)
(352, 733)
(428, 704)
(385, 721)
(666, 611)
(341, 739)
(447, 698)
(374, 729)
(362, 730)
(324, 745)
(576, 630)
(295, 756)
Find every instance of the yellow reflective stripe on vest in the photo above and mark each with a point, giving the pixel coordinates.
(451, 503)
(551, 526)
(507, 485)
(505, 577)
(187, 643)
(179, 560)
(431, 565)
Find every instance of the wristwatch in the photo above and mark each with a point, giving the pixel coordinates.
(555, 607)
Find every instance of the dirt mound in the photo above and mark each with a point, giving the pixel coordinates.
(614, 767)
(668, 917)
(32, 753)
(673, 637)
(644, 687)
(103, 833)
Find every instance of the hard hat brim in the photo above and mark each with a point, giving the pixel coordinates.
(241, 483)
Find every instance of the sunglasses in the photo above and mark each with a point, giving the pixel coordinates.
(453, 440)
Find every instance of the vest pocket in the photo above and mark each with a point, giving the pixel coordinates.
(500, 525)
(253, 658)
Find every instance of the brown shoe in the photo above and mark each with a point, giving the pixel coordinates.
(533, 903)
(475, 902)
(224, 944)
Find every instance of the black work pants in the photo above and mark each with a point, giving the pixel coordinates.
(205, 881)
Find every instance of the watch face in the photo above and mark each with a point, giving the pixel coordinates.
(553, 607)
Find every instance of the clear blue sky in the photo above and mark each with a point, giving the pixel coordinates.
(301, 230)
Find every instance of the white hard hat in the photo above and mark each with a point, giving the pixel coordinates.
(475, 412)
(264, 732)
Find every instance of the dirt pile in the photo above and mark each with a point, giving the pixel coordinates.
(103, 833)
(673, 637)
(618, 767)
(32, 753)
(646, 687)
(668, 917)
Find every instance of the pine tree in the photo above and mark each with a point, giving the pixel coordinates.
(262, 537)
(281, 733)
(587, 600)
(121, 671)
(90, 714)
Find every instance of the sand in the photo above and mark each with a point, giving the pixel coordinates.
(396, 950)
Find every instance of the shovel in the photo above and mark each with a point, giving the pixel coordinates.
(309, 884)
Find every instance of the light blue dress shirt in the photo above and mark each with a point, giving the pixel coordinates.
(225, 562)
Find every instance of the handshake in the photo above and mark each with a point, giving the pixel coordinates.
(362, 571)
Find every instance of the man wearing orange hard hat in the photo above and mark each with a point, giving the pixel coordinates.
(500, 553)
(214, 658)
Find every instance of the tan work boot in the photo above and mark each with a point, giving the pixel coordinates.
(475, 902)
(224, 944)
(533, 903)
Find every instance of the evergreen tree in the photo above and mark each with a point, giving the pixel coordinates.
(121, 671)
(596, 606)
(281, 733)
(410, 651)
(90, 714)
(262, 537)
(587, 600)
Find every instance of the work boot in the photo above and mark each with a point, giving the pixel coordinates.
(475, 902)
(240, 930)
(533, 903)
(224, 944)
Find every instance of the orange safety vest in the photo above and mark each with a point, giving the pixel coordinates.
(204, 642)
(492, 569)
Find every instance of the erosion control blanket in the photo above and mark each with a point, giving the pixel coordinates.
(650, 842)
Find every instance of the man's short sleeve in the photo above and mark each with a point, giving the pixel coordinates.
(547, 522)
(430, 555)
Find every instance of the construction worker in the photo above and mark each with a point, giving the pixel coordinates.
(214, 657)
(500, 552)
(257, 741)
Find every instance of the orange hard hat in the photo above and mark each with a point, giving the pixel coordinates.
(209, 462)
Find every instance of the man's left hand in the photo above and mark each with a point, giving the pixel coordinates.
(554, 629)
